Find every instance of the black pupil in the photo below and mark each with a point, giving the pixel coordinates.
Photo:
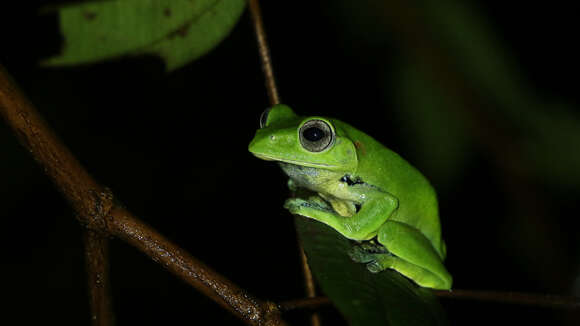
(313, 134)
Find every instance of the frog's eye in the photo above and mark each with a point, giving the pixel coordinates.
(264, 117)
(316, 135)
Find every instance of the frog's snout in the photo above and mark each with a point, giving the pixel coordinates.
(259, 144)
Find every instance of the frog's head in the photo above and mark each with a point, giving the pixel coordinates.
(313, 141)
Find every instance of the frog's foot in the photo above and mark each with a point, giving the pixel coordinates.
(373, 247)
(359, 255)
(367, 252)
(300, 205)
(319, 202)
(381, 262)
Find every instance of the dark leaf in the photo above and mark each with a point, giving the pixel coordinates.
(364, 298)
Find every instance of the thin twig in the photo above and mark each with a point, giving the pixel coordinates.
(264, 52)
(520, 298)
(309, 284)
(97, 262)
(97, 211)
(517, 298)
(272, 90)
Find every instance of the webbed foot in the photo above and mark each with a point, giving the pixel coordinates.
(370, 253)
(299, 205)
(375, 267)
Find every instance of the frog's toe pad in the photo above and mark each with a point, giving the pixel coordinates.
(372, 247)
(359, 255)
(307, 208)
(375, 267)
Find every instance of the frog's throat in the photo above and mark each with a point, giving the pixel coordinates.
(295, 162)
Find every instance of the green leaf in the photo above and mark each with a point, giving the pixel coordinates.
(364, 298)
(179, 31)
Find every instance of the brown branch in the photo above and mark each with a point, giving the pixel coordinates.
(97, 262)
(96, 210)
(125, 226)
(307, 303)
(256, 14)
(84, 194)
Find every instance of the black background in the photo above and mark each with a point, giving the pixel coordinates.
(173, 148)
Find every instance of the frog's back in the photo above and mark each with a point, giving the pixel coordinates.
(381, 167)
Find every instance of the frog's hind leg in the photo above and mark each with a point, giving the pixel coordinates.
(411, 254)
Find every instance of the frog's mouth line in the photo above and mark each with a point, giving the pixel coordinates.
(271, 158)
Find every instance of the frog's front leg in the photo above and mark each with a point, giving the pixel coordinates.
(376, 207)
